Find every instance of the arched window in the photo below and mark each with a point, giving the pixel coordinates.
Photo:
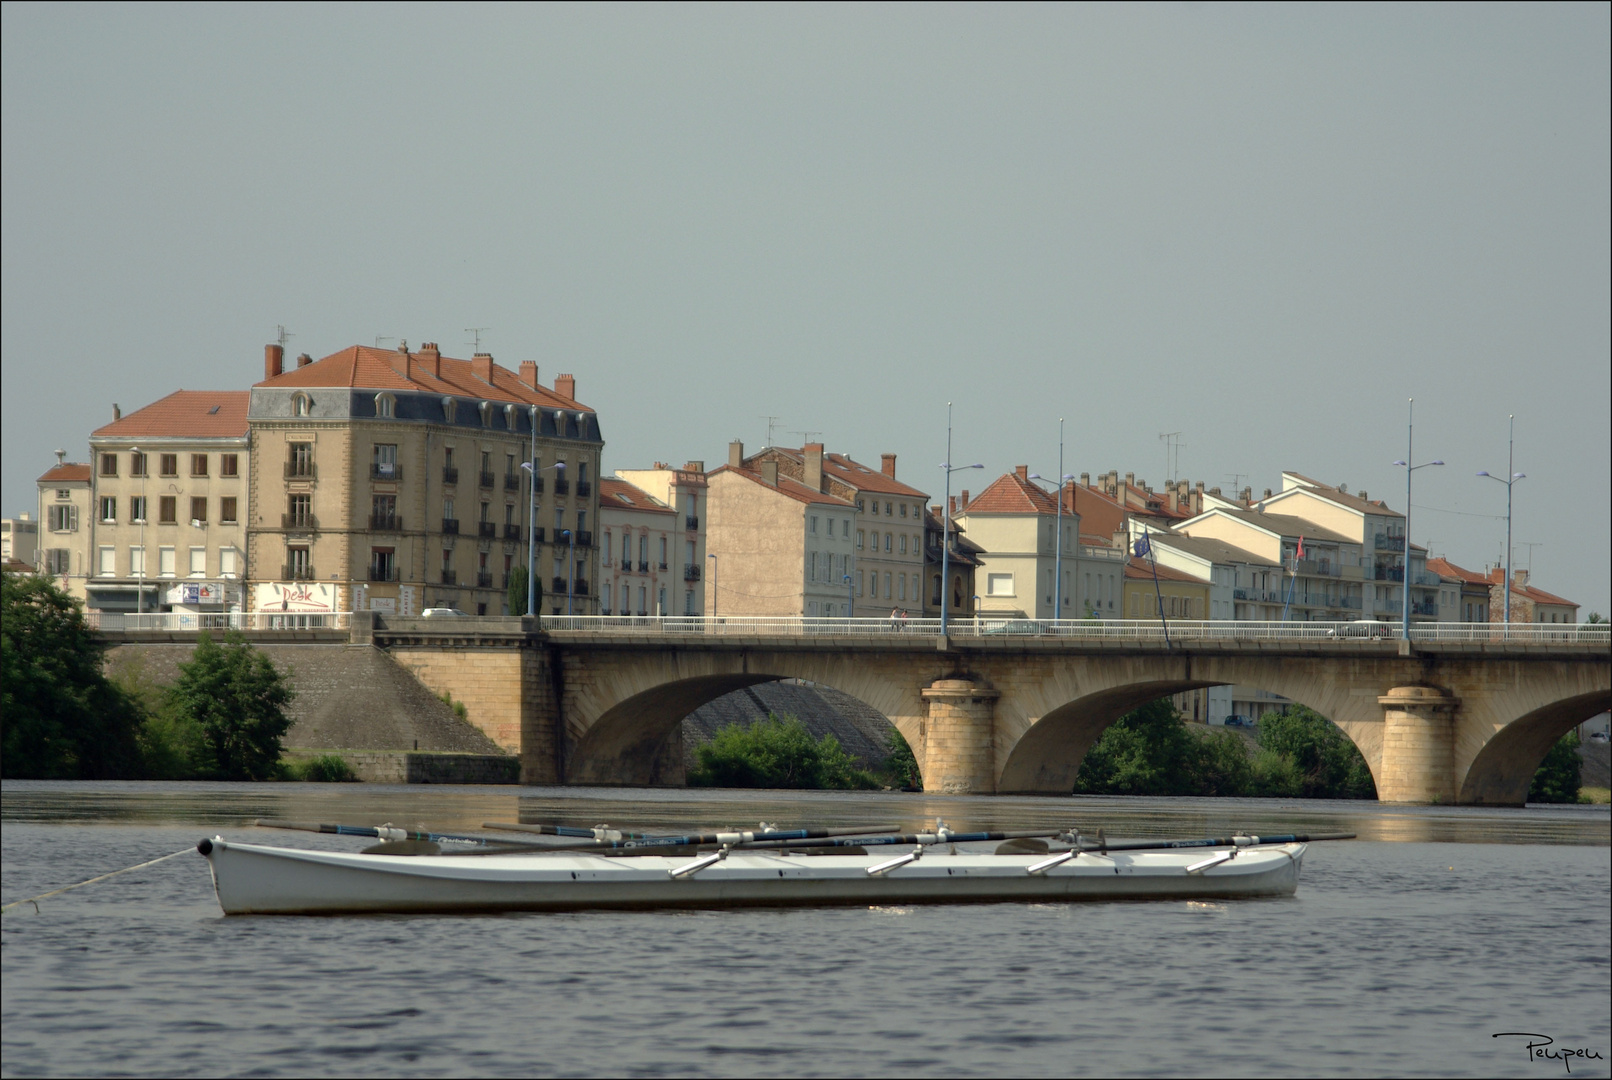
(509, 417)
(301, 405)
(450, 409)
(486, 414)
(385, 405)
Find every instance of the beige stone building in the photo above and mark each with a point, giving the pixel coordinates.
(19, 540)
(960, 563)
(392, 480)
(675, 560)
(779, 546)
(889, 525)
(64, 524)
(638, 569)
(169, 495)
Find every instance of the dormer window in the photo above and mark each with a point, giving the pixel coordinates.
(450, 409)
(301, 405)
(509, 417)
(385, 406)
(486, 414)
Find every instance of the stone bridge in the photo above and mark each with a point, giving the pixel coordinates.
(1464, 722)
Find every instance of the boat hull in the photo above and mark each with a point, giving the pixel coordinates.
(253, 879)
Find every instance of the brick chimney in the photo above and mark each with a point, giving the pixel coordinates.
(1130, 479)
(965, 499)
(1022, 472)
(482, 365)
(887, 465)
(813, 452)
(566, 386)
(529, 373)
(431, 359)
(736, 454)
(304, 360)
(769, 472)
(273, 360)
(117, 411)
(954, 505)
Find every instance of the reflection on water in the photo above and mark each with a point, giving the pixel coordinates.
(1393, 958)
(459, 808)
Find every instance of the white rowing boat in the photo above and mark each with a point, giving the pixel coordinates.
(255, 879)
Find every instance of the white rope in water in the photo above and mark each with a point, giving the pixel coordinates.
(34, 900)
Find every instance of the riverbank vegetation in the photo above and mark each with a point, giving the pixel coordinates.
(776, 752)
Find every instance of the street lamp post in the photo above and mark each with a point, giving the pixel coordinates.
(1410, 428)
(1057, 544)
(570, 569)
(140, 595)
(531, 519)
(850, 598)
(1511, 478)
(708, 555)
(946, 522)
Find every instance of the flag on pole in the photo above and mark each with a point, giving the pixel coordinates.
(1142, 547)
(1301, 548)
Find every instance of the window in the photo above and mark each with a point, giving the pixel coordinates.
(382, 564)
(137, 561)
(383, 510)
(58, 561)
(663, 553)
(889, 511)
(903, 545)
(109, 464)
(198, 510)
(814, 523)
(62, 518)
(297, 565)
(450, 410)
(889, 539)
(607, 557)
(137, 464)
(860, 591)
(861, 506)
(106, 563)
(811, 567)
(903, 509)
(661, 609)
(859, 536)
(165, 562)
(301, 405)
(227, 563)
(509, 417)
(198, 464)
(226, 510)
(845, 528)
(137, 509)
(301, 511)
(198, 562)
(385, 406)
(229, 465)
(509, 513)
(999, 584)
(168, 465)
(447, 509)
(901, 586)
(643, 600)
(109, 509)
(301, 460)
(385, 462)
(486, 409)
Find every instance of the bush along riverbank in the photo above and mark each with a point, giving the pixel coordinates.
(778, 752)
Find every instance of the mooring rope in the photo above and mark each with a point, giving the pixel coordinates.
(34, 900)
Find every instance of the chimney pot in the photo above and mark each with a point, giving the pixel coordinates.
(887, 465)
(769, 472)
(564, 385)
(273, 360)
(694, 467)
(965, 499)
(736, 454)
(1363, 495)
(1085, 479)
(304, 360)
(529, 373)
(482, 365)
(117, 411)
(61, 457)
(1022, 472)
(1130, 479)
(1267, 493)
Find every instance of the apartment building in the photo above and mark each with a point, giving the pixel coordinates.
(638, 571)
(1528, 602)
(19, 540)
(684, 492)
(1016, 524)
(889, 520)
(961, 563)
(64, 524)
(778, 547)
(1471, 590)
(1320, 577)
(393, 481)
(169, 502)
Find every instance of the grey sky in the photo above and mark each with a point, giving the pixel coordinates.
(1262, 227)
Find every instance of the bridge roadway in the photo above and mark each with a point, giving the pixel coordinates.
(1460, 714)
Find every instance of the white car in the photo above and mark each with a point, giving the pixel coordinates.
(442, 612)
(1363, 628)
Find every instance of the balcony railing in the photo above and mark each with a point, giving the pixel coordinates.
(512, 532)
(584, 487)
(383, 573)
(662, 564)
(512, 482)
(691, 572)
(1424, 607)
(643, 567)
(538, 534)
(1384, 542)
(582, 586)
(626, 565)
(385, 523)
(1389, 573)
(484, 579)
(450, 474)
(1424, 577)
(488, 479)
(385, 470)
(450, 577)
(298, 521)
(558, 584)
(691, 523)
(537, 484)
(301, 470)
(561, 485)
(486, 528)
(450, 526)
(584, 538)
(291, 572)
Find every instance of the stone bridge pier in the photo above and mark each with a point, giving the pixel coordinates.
(1462, 723)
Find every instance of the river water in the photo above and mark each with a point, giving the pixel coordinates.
(1403, 952)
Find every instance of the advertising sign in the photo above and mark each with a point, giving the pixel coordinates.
(197, 592)
(296, 597)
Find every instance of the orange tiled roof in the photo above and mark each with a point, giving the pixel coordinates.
(1445, 568)
(384, 369)
(67, 473)
(793, 489)
(617, 494)
(184, 414)
(849, 471)
(1099, 514)
(1497, 576)
(1011, 493)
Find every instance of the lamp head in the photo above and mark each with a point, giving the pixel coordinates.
(1518, 475)
(1435, 462)
(1486, 473)
(1399, 463)
(527, 465)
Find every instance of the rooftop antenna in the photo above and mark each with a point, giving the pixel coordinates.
(1172, 442)
(380, 338)
(1530, 547)
(1236, 479)
(772, 422)
(806, 436)
(476, 332)
(283, 336)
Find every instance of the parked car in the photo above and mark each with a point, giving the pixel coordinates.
(442, 612)
(1238, 721)
(1015, 626)
(1363, 628)
(1598, 736)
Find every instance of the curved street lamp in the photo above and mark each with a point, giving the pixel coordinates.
(531, 519)
(946, 522)
(1404, 590)
(1512, 478)
(1057, 549)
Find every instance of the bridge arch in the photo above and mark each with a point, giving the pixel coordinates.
(1504, 768)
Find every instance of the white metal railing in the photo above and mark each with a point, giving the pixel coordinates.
(220, 620)
(1083, 629)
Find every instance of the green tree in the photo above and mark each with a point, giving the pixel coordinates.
(516, 594)
(1324, 764)
(172, 746)
(1145, 752)
(237, 697)
(60, 717)
(775, 753)
(1558, 778)
(900, 765)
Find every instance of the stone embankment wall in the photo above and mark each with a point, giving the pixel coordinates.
(404, 767)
